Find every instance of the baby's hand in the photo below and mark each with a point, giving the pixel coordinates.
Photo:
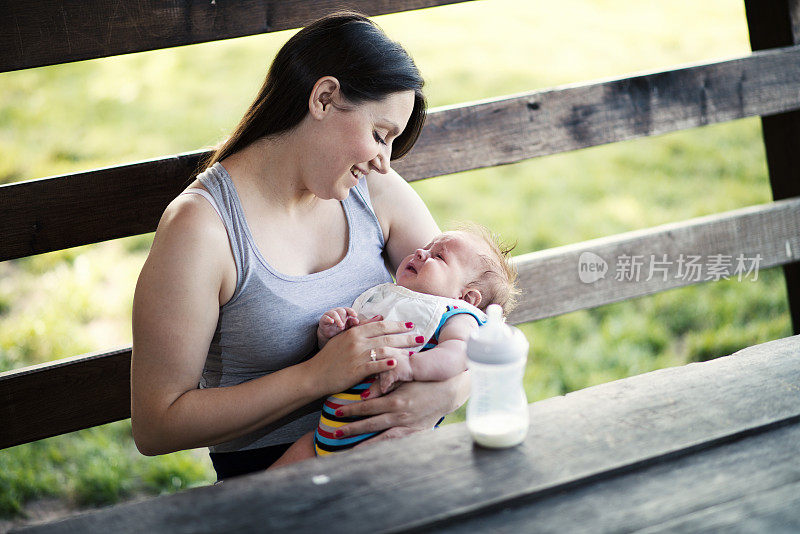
(334, 322)
(402, 372)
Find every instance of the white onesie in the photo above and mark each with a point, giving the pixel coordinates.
(427, 312)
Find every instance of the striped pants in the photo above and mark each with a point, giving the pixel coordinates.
(324, 440)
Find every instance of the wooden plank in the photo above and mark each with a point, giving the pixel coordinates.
(65, 211)
(54, 398)
(776, 24)
(552, 283)
(745, 482)
(41, 215)
(773, 510)
(34, 33)
(539, 123)
(440, 477)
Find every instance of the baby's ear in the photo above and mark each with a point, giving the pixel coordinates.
(471, 295)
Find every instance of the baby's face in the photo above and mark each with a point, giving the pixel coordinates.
(444, 267)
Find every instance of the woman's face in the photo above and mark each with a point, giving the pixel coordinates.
(356, 140)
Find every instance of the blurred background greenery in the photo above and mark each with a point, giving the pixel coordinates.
(103, 112)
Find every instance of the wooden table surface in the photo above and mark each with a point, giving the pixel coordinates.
(705, 447)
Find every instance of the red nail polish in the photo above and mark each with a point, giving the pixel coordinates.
(338, 434)
(392, 362)
(339, 413)
(419, 339)
(409, 325)
(365, 394)
(411, 353)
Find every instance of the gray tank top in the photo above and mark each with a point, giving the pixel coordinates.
(271, 320)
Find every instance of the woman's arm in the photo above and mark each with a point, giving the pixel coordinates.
(175, 313)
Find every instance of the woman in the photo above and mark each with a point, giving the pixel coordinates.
(301, 213)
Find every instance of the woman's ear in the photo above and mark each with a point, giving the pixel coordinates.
(472, 296)
(322, 96)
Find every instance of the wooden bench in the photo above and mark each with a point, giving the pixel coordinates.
(708, 446)
(65, 211)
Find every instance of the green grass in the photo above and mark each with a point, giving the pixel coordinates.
(91, 467)
(84, 115)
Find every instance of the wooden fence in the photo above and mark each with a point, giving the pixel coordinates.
(65, 211)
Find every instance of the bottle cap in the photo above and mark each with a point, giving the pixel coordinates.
(495, 342)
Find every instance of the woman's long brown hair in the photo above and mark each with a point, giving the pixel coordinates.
(347, 46)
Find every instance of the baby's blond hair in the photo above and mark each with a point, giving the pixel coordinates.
(497, 279)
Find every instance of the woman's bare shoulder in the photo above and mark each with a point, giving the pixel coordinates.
(191, 241)
(191, 216)
(388, 188)
(395, 200)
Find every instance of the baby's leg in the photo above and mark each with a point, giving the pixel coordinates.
(302, 449)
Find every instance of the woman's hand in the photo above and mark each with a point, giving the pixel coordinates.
(412, 407)
(347, 358)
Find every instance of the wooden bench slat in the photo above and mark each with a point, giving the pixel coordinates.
(549, 279)
(66, 211)
(551, 121)
(55, 213)
(680, 495)
(35, 33)
(574, 440)
(63, 396)
(552, 286)
(773, 510)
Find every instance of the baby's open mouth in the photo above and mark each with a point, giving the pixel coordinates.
(411, 268)
(357, 174)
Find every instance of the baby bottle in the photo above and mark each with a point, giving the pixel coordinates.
(497, 413)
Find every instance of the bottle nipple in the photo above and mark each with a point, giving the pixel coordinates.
(495, 328)
(495, 313)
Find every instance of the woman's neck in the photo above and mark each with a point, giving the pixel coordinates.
(270, 169)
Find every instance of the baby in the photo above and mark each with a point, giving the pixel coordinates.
(442, 289)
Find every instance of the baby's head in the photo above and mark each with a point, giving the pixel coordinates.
(468, 264)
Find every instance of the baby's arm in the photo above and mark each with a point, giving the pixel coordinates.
(333, 322)
(444, 361)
